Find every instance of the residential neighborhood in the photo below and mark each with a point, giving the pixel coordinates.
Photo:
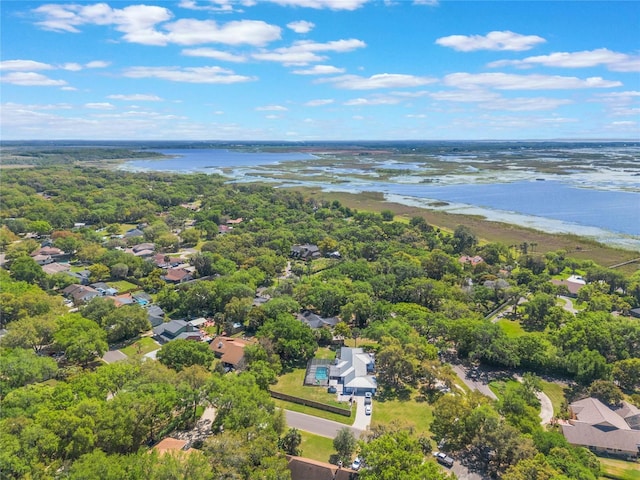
(327, 346)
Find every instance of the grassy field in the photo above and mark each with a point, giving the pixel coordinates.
(316, 412)
(576, 247)
(619, 469)
(409, 413)
(316, 447)
(555, 392)
(511, 327)
(292, 384)
(140, 347)
(123, 286)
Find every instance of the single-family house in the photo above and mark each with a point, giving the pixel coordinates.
(42, 259)
(142, 298)
(80, 293)
(355, 371)
(143, 249)
(475, 260)
(230, 351)
(570, 287)
(316, 321)
(177, 275)
(55, 267)
(305, 252)
(120, 300)
(635, 312)
(604, 430)
(175, 329)
(155, 314)
(308, 469)
(104, 289)
(235, 221)
(172, 445)
(133, 233)
(82, 277)
(224, 228)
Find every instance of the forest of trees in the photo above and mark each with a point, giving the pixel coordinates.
(397, 283)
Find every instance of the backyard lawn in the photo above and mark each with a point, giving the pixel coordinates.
(123, 286)
(316, 447)
(619, 469)
(555, 392)
(292, 384)
(511, 327)
(316, 412)
(140, 347)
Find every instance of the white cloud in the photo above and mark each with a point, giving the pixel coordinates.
(430, 3)
(322, 4)
(416, 115)
(223, 6)
(272, 108)
(99, 106)
(301, 26)
(189, 75)
(319, 70)
(382, 80)
(136, 97)
(319, 102)
(72, 67)
(250, 32)
(24, 65)
(504, 40)
(31, 79)
(525, 104)
(505, 81)
(97, 64)
(470, 95)
(304, 52)
(213, 53)
(621, 104)
(618, 62)
(138, 24)
(272, 117)
(381, 100)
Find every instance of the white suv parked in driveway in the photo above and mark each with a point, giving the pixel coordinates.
(367, 398)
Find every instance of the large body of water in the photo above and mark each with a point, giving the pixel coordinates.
(608, 212)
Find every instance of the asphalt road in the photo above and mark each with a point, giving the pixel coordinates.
(317, 426)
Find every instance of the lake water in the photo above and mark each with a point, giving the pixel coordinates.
(206, 160)
(606, 209)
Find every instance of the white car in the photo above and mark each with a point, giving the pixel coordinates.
(367, 409)
(356, 464)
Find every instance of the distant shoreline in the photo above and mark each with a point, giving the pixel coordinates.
(487, 230)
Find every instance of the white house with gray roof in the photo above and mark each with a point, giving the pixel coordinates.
(354, 370)
(604, 430)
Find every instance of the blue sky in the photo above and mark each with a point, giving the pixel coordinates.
(301, 70)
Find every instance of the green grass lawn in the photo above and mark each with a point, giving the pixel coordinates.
(123, 286)
(140, 347)
(511, 327)
(325, 353)
(619, 469)
(316, 412)
(292, 384)
(556, 393)
(410, 413)
(316, 447)
(498, 387)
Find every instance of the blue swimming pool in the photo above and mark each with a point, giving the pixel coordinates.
(322, 373)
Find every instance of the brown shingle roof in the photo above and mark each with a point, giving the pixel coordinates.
(170, 444)
(229, 350)
(302, 468)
